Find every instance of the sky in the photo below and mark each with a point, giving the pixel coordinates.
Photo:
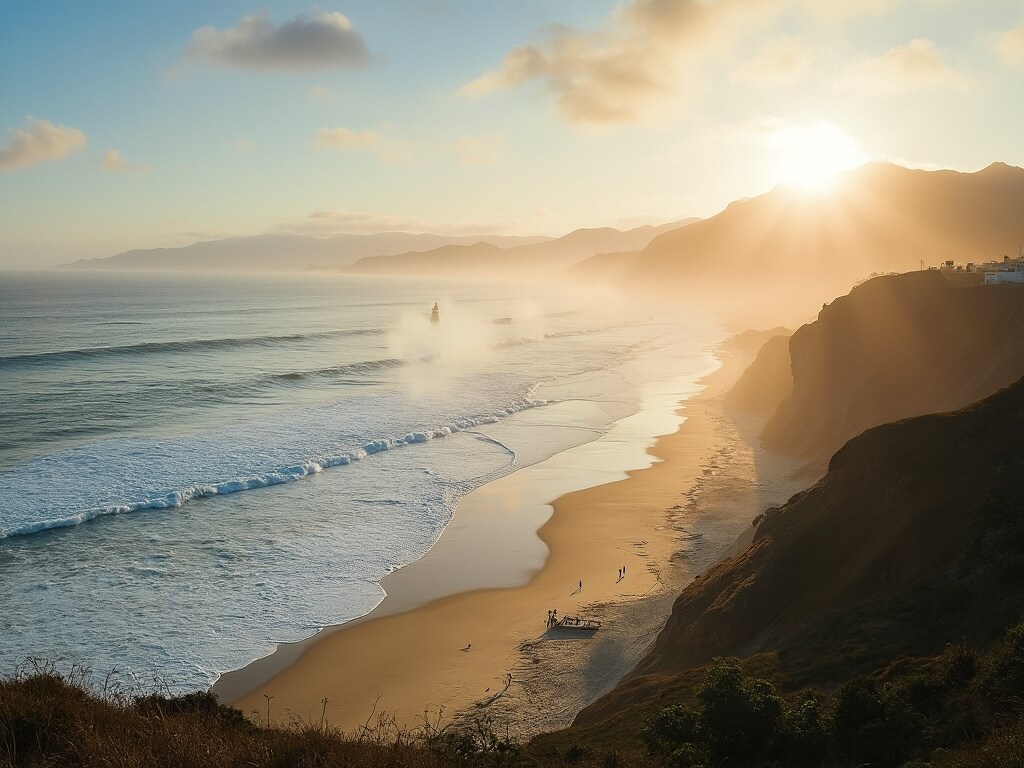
(136, 125)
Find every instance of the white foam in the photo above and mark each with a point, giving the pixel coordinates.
(275, 476)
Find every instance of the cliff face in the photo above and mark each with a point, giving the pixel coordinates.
(914, 538)
(896, 347)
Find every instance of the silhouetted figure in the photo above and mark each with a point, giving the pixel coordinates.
(435, 314)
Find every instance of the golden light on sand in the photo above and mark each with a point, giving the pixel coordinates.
(812, 156)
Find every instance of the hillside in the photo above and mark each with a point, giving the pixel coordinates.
(481, 259)
(791, 248)
(913, 539)
(283, 252)
(895, 347)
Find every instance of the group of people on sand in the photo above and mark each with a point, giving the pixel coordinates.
(553, 614)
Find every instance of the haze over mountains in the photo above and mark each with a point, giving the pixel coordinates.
(389, 253)
(785, 247)
(285, 251)
(788, 245)
(531, 258)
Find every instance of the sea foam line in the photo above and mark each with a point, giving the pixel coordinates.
(276, 476)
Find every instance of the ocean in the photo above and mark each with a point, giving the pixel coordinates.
(194, 468)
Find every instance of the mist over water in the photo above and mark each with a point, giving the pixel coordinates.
(194, 468)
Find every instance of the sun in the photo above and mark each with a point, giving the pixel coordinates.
(812, 156)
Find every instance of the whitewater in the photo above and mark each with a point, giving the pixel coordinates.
(194, 468)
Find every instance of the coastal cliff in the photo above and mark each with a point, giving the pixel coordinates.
(912, 540)
(895, 347)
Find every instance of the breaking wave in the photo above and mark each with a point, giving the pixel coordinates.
(275, 476)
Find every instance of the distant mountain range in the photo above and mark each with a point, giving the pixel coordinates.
(792, 247)
(389, 253)
(485, 258)
(285, 252)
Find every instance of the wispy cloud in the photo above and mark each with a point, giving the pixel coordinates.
(115, 163)
(1010, 45)
(918, 64)
(777, 61)
(303, 43)
(346, 138)
(321, 93)
(40, 141)
(386, 149)
(340, 221)
(480, 150)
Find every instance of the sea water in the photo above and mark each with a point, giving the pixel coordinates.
(196, 467)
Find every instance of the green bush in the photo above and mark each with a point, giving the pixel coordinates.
(670, 729)
(806, 732)
(875, 724)
(741, 718)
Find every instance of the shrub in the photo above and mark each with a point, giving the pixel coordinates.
(806, 732)
(741, 718)
(875, 724)
(670, 729)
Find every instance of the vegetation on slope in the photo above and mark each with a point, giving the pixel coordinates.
(957, 709)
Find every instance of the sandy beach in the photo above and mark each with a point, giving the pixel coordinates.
(409, 660)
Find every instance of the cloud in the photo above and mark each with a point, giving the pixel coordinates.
(918, 64)
(782, 60)
(321, 93)
(40, 141)
(346, 139)
(339, 221)
(114, 163)
(479, 150)
(646, 58)
(1010, 45)
(303, 43)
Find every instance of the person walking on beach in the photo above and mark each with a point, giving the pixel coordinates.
(581, 585)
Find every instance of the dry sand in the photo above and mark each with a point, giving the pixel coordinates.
(413, 660)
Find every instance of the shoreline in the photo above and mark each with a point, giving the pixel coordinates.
(513, 507)
(452, 652)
